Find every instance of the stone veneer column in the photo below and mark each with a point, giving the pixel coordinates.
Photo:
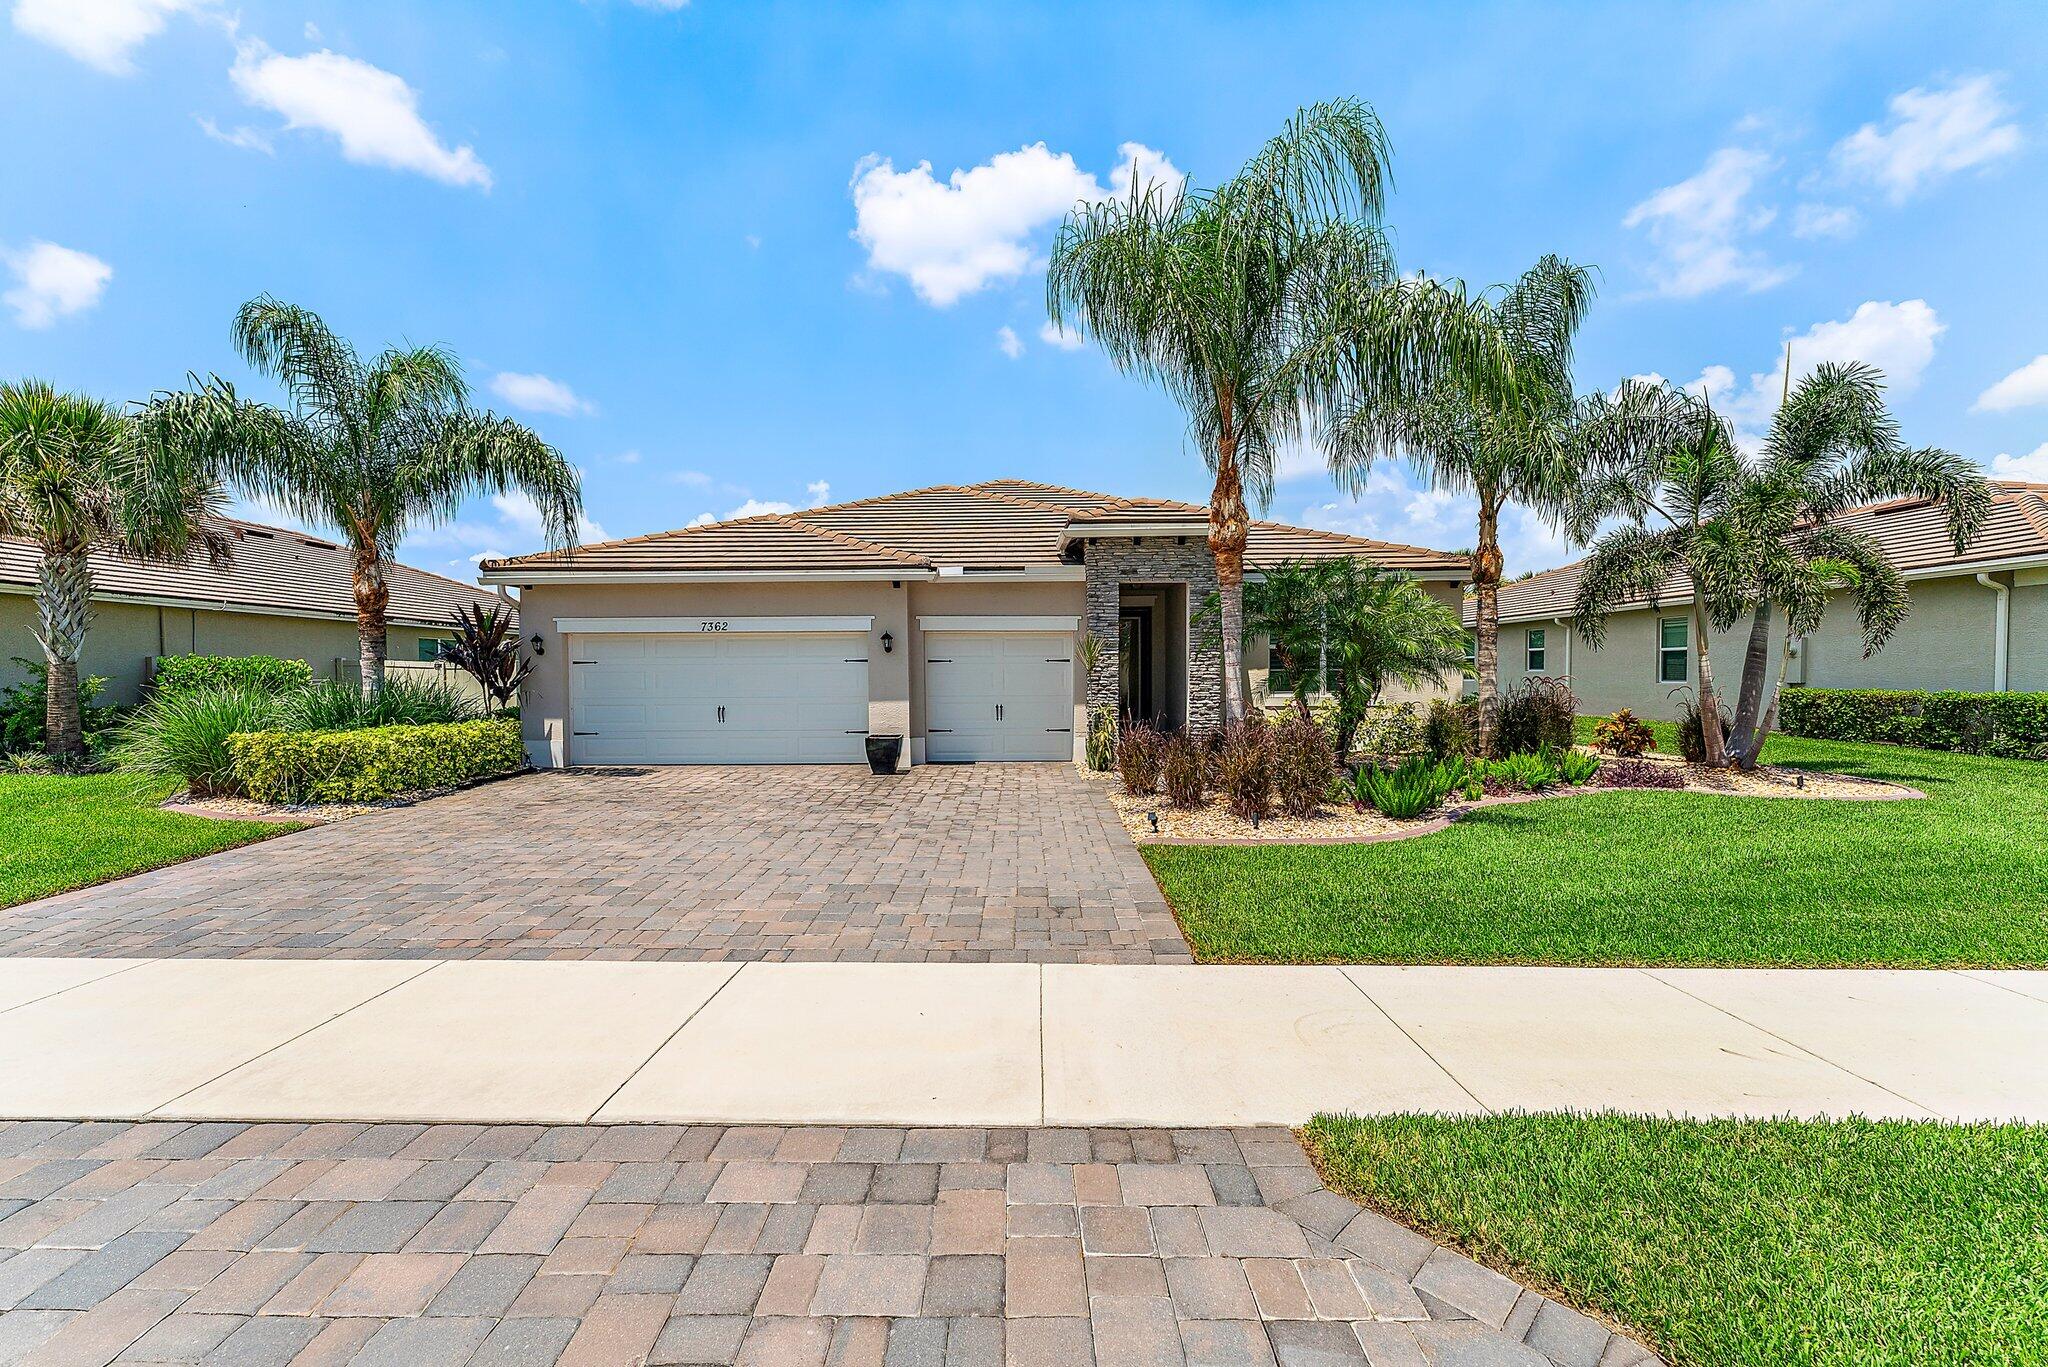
(1114, 561)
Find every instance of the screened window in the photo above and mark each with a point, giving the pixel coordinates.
(1535, 651)
(1672, 666)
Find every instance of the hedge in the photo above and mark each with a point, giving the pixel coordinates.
(374, 763)
(264, 673)
(2010, 725)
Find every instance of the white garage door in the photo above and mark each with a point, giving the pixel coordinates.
(999, 696)
(771, 698)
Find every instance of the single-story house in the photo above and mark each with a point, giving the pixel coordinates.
(282, 593)
(1979, 620)
(954, 616)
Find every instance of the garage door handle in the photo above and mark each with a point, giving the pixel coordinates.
(721, 714)
(930, 661)
(999, 711)
(1061, 730)
(1049, 660)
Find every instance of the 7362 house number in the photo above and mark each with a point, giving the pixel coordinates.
(714, 626)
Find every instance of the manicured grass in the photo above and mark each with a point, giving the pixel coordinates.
(1660, 878)
(1736, 1242)
(64, 832)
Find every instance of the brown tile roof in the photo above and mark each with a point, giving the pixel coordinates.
(1913, 532)
(999, 524)
(272, 568)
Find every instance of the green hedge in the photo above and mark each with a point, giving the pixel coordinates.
(264, 673)
(2010, 725)
(372, 764)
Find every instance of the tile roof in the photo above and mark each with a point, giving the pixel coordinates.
(271, 569)
(995, 525)
(1913, 532)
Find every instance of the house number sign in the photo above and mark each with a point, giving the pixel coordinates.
(713, 626)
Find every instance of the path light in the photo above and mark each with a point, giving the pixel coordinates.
(1153, 817)
(1800, 781)
(1255, 821)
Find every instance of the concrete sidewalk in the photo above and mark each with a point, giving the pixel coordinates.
(1000, 1044)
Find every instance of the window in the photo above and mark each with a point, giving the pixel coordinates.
(1672, 666)
(1535, 651)
(430, 648)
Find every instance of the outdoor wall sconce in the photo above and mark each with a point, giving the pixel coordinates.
(538, 647)
(888, 643)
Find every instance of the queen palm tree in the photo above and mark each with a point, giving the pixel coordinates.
(1494, 433)
(377, 449)
(77, 476)
(1234, 301)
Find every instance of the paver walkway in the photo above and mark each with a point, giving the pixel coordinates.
(1018, 862)
(410, 1244)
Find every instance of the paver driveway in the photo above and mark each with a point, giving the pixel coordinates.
(948, 862)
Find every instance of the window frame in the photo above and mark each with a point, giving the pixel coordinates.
(429, 648)
(1535, 651)
(1665, 650)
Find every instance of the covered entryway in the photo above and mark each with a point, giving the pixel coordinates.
(718, 697)
(998, 695)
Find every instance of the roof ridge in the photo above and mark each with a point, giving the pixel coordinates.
(853, 542)
(327, 545)
(879, 498)
(641, 539)
(1328, 535)
(1017, 499)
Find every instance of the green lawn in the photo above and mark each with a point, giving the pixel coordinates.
(1738, 1242)
(64, 832)
(1660, 878)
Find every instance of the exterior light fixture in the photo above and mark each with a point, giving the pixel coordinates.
(888, 642)
(1153, 817)
(538, 647)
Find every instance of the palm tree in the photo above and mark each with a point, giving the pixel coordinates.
(1833, 445)
(1665, 462)
(78, 476)
(1496, 434)
(1234, 300)
(376, 449)
(1384, 629)
(1291, 605)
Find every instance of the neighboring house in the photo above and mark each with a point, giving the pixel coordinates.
(951, 616)
(1979, 621)
(283, 593)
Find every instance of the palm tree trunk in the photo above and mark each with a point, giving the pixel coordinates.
(1712, 738)
(64, 612)
(1229, 527)
(1749, 698)
(373, 602)
(1770, 718)
(1486, 570)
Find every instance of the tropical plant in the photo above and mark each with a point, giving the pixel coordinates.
(1623, 734)
(1524, 772)
(485, 646)
(1101, 747)
(1640, 773)
(378, 449)
(1415, 787)
(1139, 750)
(79, 476)
(1575, 766)
(1183, 770)
(1303, 761)
(1693, 718)
(333, 705)
(1389, 734)
(1539, 713)
(1496, 432)
(185, 735)
(1291, 605)
(24, 711)
(1448, 731)
(1238, 301)
(1244, 768)
(1387, 629)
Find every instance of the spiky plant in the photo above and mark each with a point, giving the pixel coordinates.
(486, 647)
(77, 476)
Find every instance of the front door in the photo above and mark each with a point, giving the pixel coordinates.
(1134, 663)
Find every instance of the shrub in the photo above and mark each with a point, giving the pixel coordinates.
(261, 673)
(371, 764)
(1623, 734)
(1417, 786)
(2007, 725)
(186, 735)
(336, 705)
(1183, 770)
(22, 707)
(1303, 761)
(1139, 750)
(1537, 714)
(1524, 772)
(1576, 766)
(1692, 740)
(1100, 750)
(1388, 735)
(1447, 732)
(1637, 773)
(1244, 768)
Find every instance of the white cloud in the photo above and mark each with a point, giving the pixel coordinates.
(817, 493)
(52, 282)
(1009, 343)
(820, 492)
(626, 458)
(2031, 468)
(953, 239)
(372, 112)
(755, 507)
(1898, 339)
(695, 479)
(538, 393)
(667, 5)
(242, 136)
(2024, 388)
(1931, 133)
(522, 516)
(1825, 220)
(1396, 507)
(1698, 227)
(101, 33)
(1053, 335)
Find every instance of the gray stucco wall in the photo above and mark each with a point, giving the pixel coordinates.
(2028, 661)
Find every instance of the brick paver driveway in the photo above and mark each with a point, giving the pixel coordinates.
(949, 862)
(453, 1244)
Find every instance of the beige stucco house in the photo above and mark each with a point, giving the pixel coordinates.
(282, 593)
(1979, 621)
(954, 617)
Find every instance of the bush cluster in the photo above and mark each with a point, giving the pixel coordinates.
(1303, 760)
(338, 705)
(2007, 725)
(1624, 734)
(1450, 730)
(1537, 714)
(1139, 750)
(1415, 787)
(1244, 768)
(372, 763)
(23, 706)
(1637, 773)
(1101, 747)
(1183, 770)
(178, 674)
(1388, 735)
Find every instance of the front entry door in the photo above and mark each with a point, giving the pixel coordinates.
(1134, 663)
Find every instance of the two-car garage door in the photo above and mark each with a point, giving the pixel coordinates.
(717, 698)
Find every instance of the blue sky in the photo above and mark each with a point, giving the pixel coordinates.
(695, 244)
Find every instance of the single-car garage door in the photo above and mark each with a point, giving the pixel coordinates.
(998, 696)
(769, 698)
